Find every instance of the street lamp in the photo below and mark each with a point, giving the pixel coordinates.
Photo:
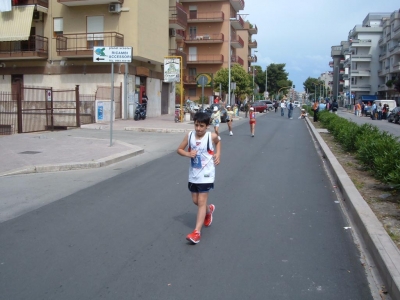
(229, 61)
(253, 78)
(266, 81)
(337, 83)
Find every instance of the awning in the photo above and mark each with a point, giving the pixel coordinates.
(369, 97)
(16, 25)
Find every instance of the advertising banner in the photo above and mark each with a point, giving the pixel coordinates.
(172, 70)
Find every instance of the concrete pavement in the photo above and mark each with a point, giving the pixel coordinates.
(51, 151)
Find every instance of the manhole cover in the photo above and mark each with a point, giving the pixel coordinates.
(30, 152)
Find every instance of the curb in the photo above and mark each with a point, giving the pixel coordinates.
(102, 162)
(160, 130)
(384, 252)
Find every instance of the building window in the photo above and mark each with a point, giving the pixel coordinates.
(192, 92)
(58, 26)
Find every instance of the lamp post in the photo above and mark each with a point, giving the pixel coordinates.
(266, 81)
(229, 61)
(337, 83)
(253, 77)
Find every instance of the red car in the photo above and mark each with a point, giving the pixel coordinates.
(259, 106)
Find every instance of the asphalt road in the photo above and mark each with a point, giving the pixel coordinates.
(278, 231)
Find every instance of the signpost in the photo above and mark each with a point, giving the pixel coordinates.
(173, 67)
(112, 55)
(202, 80)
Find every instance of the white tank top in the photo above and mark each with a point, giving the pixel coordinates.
(202, 169)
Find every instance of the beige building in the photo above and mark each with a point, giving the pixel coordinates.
(50, 43)
(205, 41)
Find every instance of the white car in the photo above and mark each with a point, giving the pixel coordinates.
(296, 104)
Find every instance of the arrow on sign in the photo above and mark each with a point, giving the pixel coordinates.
(99, 58)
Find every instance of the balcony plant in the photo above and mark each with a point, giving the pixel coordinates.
(389, 83)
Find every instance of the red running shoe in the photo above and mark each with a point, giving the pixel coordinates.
(194, 237)
(209, 218)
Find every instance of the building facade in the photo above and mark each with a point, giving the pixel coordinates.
(51, 43)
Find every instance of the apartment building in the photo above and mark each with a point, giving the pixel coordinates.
(50, 44)
(368, 59)
(215, 31)
(326, 78)
(389, 57)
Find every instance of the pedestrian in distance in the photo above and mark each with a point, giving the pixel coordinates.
(322, 105)
(283, 106)
(315, 109)
(290, 110)
(379, 111)
(246, 109)
(236, 110)
(229, 118)
(216, 119)
(252, 121)
(303, 114)
(335, 106)
(203, 149)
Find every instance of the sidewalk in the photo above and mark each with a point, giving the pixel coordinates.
(51, 151)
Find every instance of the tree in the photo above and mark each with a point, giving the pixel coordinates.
(312, 87)
(277, 79)
(397, 84)
(239, 76)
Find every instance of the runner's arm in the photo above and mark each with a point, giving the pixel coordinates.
(217, 148)
(182, 148)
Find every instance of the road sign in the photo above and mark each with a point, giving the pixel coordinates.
(112, 54)
(202, 80)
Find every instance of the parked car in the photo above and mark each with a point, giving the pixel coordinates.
(394, 115)
(260, 106)
(270, 104)
(296, 104)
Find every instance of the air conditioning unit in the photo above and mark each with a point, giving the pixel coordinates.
(37, 16)
(114, 8)
(172, 32)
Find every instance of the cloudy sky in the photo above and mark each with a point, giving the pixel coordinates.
(301, 33)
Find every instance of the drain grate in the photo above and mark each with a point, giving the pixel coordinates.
(30, 152)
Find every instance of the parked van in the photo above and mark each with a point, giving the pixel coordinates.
(392, 103)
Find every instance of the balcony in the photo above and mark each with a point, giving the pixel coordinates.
(178, 18)
(342, 61)
(204, 38)
(252, 59)
(331, 64)
(237, 4)
(361, 73)
(237, 22)
(43, 3)
(188, 79)
(252, 44)
(180, 35)
(336, 50)
(176, 52)
(236, 41)
(382, 87)
(361, 87)
(253, 30)
(382, 56)
(361, 43)
(81, 44)
(395, 50)
(341, 71)
(396, 32)
(395, 68)
(205, 17)
(341, 82)
(205, 59)
(364, 29)
(362, 57)
(237, 59)
(88, 2)
(36, 47)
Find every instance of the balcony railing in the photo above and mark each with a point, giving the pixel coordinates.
(176, 52)
(237, 59)
(253, 30)
(44, 3)
(180, 34)
(204, 38)
(177, 17)
(87, 2)
(237, 22)
(252, 44)
(237, 4)
(81, 44)
(205, 59)
(35, 47)
(213, 16)
(252, 58)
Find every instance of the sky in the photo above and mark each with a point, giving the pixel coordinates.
(300, 33)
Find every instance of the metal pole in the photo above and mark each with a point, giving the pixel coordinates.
(253, 83)
(337, 83)
(112, 102)
(350, 99)
(266, 80)
(229, 64)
